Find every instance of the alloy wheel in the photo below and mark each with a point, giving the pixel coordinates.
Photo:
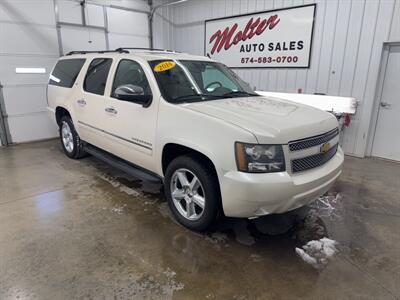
(188, 194)
(67, 137)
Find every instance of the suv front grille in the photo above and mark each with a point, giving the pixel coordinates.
(313, 141)
(313, 161)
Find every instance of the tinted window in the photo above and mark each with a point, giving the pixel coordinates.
(65, 72)
(96, 76)
(130, 72)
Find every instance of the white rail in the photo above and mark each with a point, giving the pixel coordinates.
(334, 104)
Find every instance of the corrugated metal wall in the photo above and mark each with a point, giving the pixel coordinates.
(346, 52)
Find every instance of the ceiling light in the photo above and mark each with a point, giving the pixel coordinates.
(30, 70)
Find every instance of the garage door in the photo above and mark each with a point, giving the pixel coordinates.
(28, 50)
(124, 28)
(82, 38)
(127, 28)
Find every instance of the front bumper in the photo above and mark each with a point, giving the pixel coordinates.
(249, 195)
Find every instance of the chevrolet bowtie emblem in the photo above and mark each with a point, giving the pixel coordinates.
(325, 147)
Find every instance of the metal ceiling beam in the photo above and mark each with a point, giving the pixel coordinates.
(113, 6)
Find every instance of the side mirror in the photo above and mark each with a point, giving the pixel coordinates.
(132, 93)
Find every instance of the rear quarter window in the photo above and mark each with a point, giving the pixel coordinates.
(66, 71)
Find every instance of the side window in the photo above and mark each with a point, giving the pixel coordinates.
(130, 74)
(65, 72)
(96, 76)
(212, 78)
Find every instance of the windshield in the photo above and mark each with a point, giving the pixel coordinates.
(183, 81)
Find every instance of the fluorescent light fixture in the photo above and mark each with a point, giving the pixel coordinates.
(30, 70)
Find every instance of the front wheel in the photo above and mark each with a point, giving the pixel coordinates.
(192, 192)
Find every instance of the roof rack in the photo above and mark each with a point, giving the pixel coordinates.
(148, 49)
(119, 50)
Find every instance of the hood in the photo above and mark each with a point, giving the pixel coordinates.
(270, 119)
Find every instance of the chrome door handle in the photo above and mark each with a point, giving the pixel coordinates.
(111, 110)
(81, 102)
(385, 104)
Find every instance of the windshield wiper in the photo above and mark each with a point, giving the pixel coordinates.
(239, 93)
(210, 96)
(201, 96)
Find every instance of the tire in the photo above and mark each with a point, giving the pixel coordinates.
(184, 200)
(70, 141)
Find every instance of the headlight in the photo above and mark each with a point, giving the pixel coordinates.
(256, 158)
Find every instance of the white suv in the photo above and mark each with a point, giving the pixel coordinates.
(193, 124)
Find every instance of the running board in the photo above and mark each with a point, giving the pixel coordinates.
(122, 164)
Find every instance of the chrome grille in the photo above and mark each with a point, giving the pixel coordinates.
(313, 141)
(313, 161)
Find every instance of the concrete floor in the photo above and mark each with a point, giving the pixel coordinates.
(80, 229)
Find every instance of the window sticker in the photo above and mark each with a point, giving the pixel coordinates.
(164, 66)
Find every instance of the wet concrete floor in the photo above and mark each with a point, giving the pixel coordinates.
(83, 230)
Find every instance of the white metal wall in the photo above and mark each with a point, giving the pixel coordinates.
(346, 53)
(29, 38)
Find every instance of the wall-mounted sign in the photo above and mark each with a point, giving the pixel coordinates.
(270, 39)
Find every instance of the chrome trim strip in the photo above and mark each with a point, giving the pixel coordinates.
(83, 123)
(313, 141)
(116, 136)
(311, 150)
(313, 161)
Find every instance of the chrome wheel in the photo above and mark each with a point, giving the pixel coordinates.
(187, 194)
(66, 136)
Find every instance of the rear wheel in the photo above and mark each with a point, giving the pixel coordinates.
(192, 192)
(70, 141)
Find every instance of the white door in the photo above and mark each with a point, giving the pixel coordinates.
(131, 121)
(90, 105)
(386, 142)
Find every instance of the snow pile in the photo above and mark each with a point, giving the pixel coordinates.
(318, 252)
(328, 206)
(119, 210)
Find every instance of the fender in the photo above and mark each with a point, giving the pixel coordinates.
(173, 140)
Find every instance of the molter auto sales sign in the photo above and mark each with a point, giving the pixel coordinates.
(279, 38)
